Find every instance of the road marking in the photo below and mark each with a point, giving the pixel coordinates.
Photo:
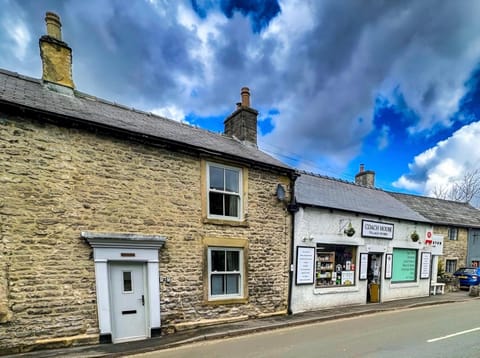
(453, 335)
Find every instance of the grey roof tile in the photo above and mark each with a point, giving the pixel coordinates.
(331, 193)
(443, 212)
(30, 93)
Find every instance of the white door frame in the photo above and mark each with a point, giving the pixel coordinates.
(109, 247)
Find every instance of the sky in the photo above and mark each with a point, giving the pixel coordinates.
(393, 85)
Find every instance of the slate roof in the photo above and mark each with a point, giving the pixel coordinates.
(30, 93)
(331, 193)
(442, 212)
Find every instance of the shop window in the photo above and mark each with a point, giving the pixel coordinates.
(451, 266)
(453, 233)
(404, 265)
(335, 265)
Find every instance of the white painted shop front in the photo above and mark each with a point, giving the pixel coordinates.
(345, 258)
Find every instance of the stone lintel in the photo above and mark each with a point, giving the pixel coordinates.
(114, 239)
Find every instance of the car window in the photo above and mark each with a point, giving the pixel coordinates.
(465, 271)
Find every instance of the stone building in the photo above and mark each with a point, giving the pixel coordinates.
(118, 224)
(458, 223)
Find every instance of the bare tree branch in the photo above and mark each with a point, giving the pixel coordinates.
(466, 189)
(440, 192)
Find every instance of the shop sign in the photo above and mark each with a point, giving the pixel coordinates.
(428, 237)
(377, 230)
(305, 265)
(437, 245)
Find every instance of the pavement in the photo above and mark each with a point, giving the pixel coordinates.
(244, 327)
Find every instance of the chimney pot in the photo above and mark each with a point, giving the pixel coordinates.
(362, 168)
(54, 26)
(245, 97)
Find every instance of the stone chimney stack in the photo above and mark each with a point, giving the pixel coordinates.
(242, 124)
(56, 55)
(365, 177)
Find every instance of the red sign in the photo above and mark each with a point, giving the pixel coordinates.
(429, 240)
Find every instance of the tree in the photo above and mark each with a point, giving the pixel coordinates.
(466, 189)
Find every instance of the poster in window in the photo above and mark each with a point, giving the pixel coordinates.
(363, 266)
(404, 266)
(348, 278)
(425, 265)
(305, 265)
(388, 266)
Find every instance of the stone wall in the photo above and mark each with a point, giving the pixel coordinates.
(56, 182)
(453, 249)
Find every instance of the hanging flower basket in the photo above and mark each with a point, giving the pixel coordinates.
(349, 231)
(414, 236)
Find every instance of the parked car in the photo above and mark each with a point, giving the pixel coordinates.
(468, 276)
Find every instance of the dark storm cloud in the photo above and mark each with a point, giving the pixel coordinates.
(355, 51)
(322, 64)
(119, 51)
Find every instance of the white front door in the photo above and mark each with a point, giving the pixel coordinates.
(128, 299)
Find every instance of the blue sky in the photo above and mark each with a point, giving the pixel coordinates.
(391, 84)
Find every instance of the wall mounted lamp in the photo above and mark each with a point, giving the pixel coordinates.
(280, 193)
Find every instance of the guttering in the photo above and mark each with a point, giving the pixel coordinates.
(292, 208)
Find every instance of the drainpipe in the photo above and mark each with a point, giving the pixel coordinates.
(292, 208)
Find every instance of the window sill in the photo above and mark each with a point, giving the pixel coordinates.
(243, 223)
(227, 301)
(335, 289)
(404, 284)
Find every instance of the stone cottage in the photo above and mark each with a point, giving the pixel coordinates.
(119, 225)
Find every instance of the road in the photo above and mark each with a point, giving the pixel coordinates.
(448, 330)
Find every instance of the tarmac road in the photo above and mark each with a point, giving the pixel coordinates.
(448, 330)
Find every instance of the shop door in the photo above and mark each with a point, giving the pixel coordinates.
(127, 291)
(374, 270)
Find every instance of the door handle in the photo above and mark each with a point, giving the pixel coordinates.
(143, 300)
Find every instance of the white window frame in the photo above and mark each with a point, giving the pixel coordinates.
(447, 266)
(453, 233)
(240, 293)
(239, 217)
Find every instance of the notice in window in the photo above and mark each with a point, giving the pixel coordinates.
(363, 266)
(305, 265)
(348, 278)
(425, 268)
(404, 265)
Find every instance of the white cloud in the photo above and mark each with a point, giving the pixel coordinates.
(404, 183)
(440, 166)
(170, 112)
(18, 32)
(384, 137)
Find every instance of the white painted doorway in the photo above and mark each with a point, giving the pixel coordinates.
(128, 298)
